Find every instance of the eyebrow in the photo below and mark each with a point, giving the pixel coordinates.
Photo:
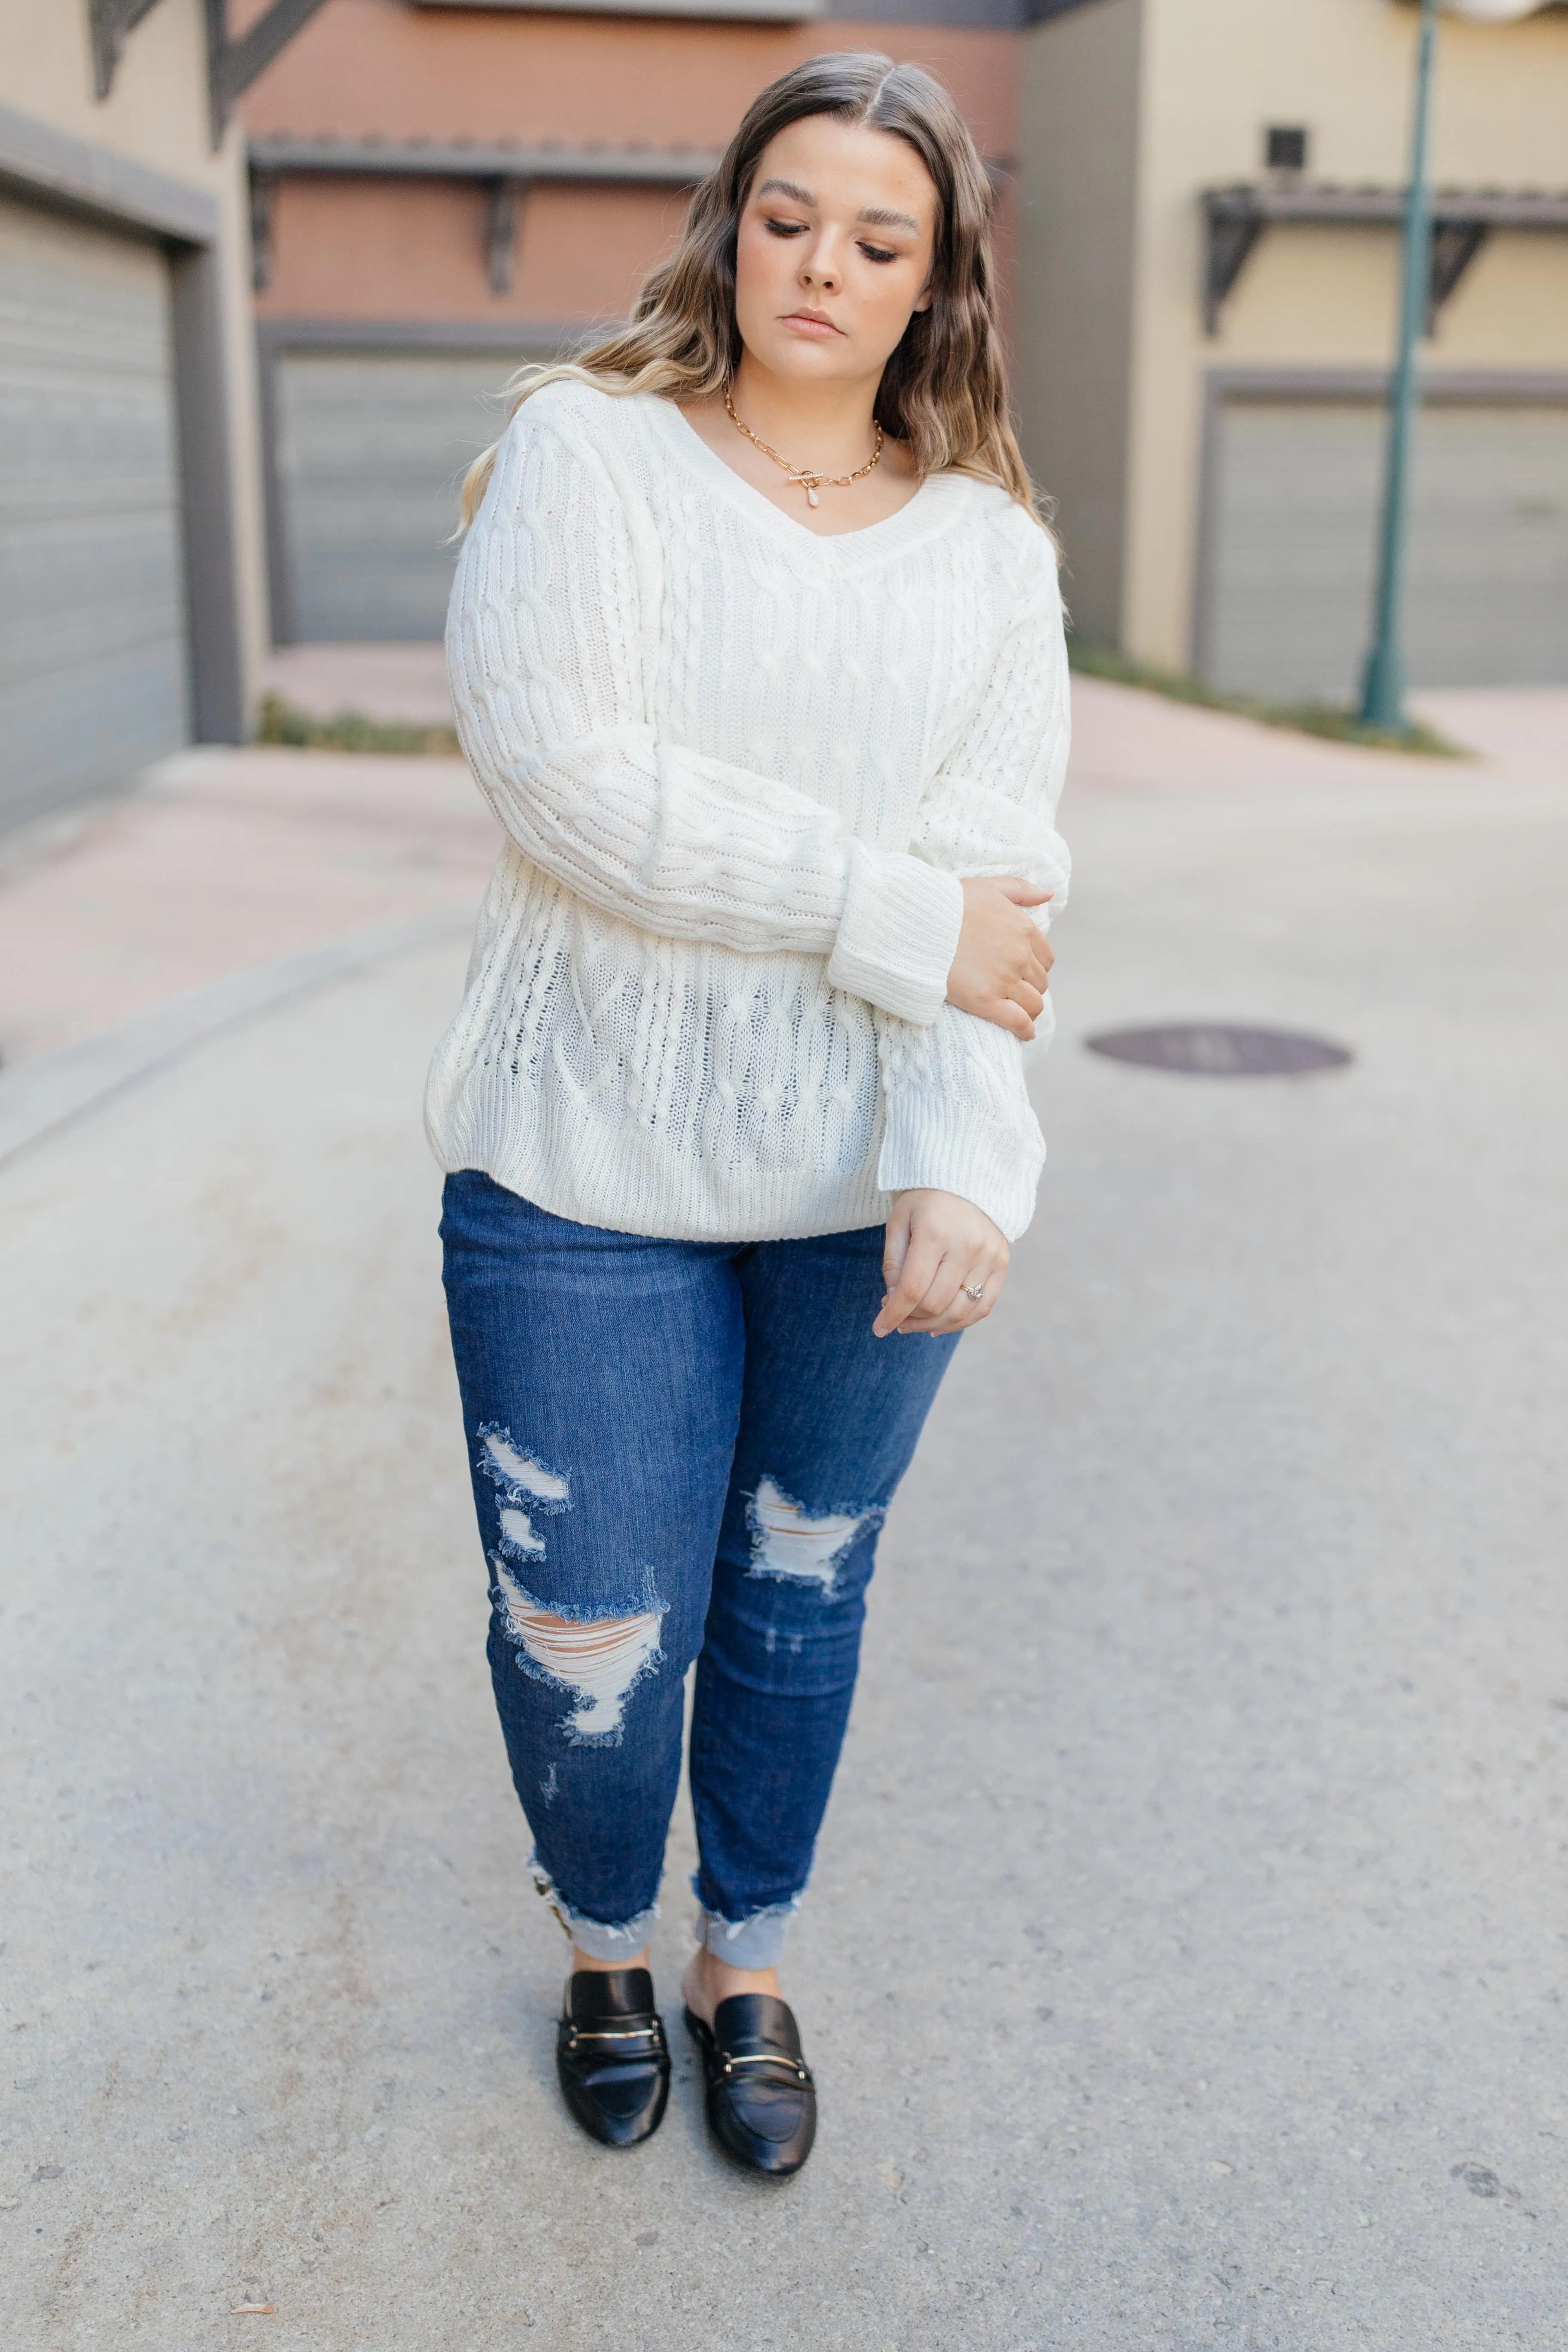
(874, 216)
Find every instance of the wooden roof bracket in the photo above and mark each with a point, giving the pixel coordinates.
(505, 197)
(1233, 231)
(233, 65)
(109, 22)
(1455, 245)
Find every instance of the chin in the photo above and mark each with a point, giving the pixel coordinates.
(795, 355)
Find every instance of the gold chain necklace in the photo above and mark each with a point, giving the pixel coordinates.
(803, 480)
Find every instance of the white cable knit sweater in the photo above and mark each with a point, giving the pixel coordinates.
(741, 769)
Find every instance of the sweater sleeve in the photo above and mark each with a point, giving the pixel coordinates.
(957, 1110)
(547, 644)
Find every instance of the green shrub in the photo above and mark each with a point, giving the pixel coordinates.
(277, 721)
(1307, 717)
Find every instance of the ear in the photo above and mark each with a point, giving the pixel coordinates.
(924, 303)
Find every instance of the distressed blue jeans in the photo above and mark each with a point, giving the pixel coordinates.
(680, 1450)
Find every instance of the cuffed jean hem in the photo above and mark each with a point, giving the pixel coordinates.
(755, 1943)
(596, 1937)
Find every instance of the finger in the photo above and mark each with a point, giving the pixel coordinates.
(1022, 893)
(919, 1265)
(943, 1294)
(962, 1311)
(941, 1326)
(959, 1317)
(951, 1302)
(896, 1243)
(930, 1284)
(1032, 999)
(1005, 1014)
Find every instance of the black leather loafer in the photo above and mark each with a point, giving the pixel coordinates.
(612, 2056)
(762, 2101)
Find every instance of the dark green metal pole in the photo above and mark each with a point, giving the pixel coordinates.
(1382, 689)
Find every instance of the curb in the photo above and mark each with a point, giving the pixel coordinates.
(41, 1098)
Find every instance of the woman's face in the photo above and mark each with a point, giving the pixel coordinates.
(834, 250)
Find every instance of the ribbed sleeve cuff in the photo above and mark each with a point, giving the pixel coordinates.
(897, 934)
(996, 1167)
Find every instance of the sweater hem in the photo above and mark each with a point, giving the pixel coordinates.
(695, 1212)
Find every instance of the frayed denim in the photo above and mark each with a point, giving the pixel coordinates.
(682, 1451)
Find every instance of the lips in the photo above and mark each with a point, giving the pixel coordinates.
(810, 323)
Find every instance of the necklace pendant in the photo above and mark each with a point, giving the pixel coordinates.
(811, 497)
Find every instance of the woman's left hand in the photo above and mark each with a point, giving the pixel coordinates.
(938, 1251)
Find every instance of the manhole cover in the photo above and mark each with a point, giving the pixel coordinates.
(1221, 1049)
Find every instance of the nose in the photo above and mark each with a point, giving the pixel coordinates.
(817, 269)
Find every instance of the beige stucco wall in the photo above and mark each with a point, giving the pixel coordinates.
(1216, 72)
(157, 113)
(1077, 178)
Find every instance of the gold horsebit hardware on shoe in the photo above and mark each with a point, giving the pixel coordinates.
(628, 2033)
(727, 2064)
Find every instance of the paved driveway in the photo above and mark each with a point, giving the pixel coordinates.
(1186, 1963)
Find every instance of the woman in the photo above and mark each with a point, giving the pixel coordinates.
(756, 648)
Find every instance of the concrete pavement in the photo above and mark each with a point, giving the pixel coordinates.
(216, 861)
(1186, 1961)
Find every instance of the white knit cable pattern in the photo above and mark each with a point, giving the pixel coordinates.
(740, 768)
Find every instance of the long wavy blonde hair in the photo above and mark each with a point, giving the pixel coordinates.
(944, 390)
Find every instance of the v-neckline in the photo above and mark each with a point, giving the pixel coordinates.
(689, 444)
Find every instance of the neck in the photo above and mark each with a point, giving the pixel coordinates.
(825, 425)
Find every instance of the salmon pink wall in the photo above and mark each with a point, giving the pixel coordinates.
(414, 249)
(380, 68)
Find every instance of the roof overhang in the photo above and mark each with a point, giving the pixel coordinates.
(504, 169)
(1462, 219)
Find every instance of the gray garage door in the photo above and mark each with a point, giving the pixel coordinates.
(370, 451)
(92, 626)
(1296, 517)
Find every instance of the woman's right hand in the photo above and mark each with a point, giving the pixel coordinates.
(1004, 960)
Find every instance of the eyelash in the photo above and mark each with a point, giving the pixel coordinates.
(877, 253)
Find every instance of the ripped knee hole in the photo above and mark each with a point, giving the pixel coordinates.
(565, 1638)
(789, 1541)
(598, 1658)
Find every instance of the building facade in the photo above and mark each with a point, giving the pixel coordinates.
(1208, 247)
(239, 390)
(442, 191)
(132, 577)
